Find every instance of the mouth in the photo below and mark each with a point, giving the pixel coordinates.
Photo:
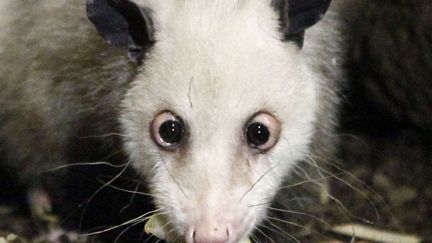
(158, 226)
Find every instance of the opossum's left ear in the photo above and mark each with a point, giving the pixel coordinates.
(298, 15)
(122, 23)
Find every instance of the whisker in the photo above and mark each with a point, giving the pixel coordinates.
(307, 229)
(322, 170)
(264, 234)
(173, 178)
(313, 180)
(299, 213)
(171, 231)
(125, 230)
(254, 238)
(131, 199)
(362, 183)
(150, 237)
(286, 222)
(287, 200)
(260, 204)
(288, 234)
(106, 135)
(86, 164)
(139, 219)
(300, 183)
(270, 229)
(176, 237)
(344, 210)
(135, 192)
(259, 179)
(100, 189)
(283, 232)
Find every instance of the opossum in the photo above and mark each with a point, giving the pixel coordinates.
(214, 102)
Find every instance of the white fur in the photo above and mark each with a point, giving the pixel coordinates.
(215, 64)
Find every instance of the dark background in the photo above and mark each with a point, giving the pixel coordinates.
(386, 122)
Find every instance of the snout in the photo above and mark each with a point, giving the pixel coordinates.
(209, 233)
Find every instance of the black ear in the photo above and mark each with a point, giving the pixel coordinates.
(122, 23)
(298, 15)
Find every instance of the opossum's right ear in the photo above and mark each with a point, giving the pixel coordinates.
(122, 23)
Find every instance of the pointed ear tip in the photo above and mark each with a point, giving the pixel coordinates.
(299, 15)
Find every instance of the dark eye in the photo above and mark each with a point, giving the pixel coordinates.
(262, 131)
(257, 134)
(168, 130)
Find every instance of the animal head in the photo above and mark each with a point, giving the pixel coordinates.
(223, 106)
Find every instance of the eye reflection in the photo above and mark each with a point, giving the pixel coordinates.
(168, 130)
(262, 131)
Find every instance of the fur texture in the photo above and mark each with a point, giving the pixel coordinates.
(214, 63)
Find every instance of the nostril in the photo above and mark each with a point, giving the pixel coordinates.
(205, 234)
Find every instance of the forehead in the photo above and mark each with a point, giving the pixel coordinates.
(218, 55)
(209, 21)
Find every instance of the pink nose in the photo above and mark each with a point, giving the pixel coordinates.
(204, 234)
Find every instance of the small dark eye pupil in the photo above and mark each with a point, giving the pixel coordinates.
(171, 131)
(257, 134)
